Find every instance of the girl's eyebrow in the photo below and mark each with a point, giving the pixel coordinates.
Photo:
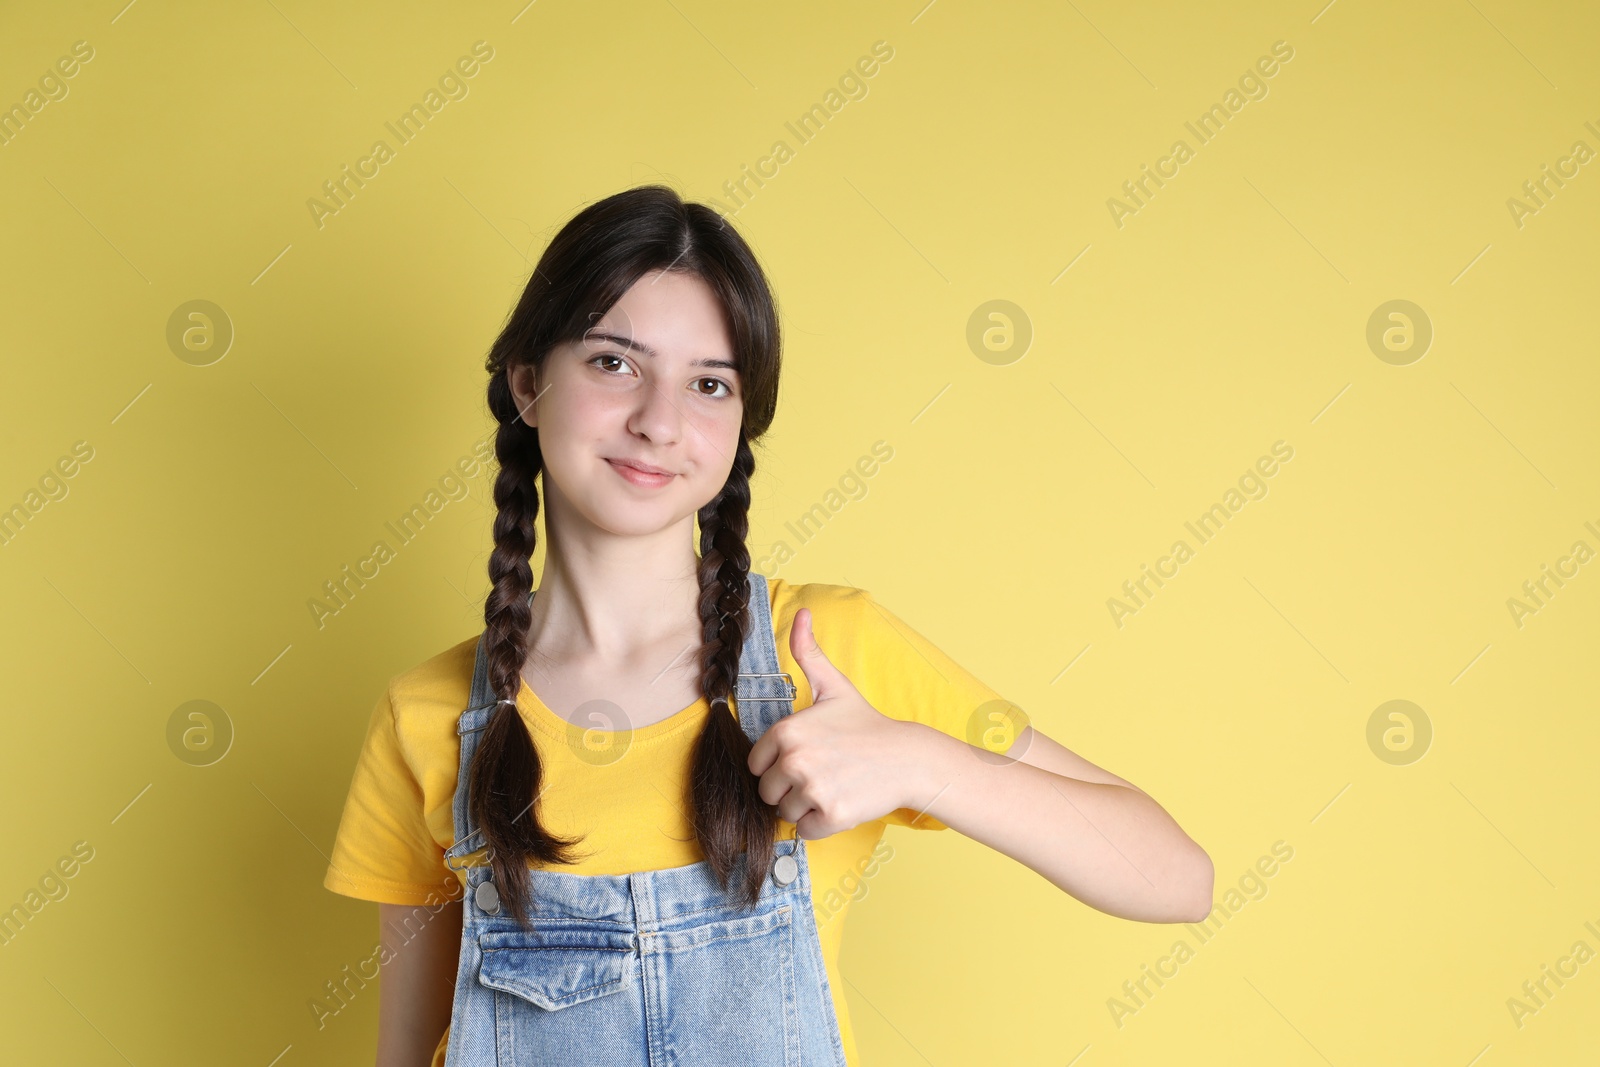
(637, 346)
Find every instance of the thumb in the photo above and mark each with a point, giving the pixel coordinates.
(823, 676)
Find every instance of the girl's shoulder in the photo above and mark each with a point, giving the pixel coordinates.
(435, 689)
(822, 598)
(842, 611)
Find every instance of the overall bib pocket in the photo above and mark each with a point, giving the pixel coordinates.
(555, 996)
(727, 991)
(552, 970)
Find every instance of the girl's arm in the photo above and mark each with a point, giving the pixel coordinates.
(1098, 837)
(1094, 835)
(418, 982)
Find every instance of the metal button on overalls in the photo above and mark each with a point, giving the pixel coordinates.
(785, 870)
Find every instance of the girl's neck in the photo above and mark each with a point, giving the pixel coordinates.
(612, 599)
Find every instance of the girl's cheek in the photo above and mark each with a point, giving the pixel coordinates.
(585, 407)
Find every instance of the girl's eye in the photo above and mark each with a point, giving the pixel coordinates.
(727, 390)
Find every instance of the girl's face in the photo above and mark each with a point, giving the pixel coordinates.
(652, 383)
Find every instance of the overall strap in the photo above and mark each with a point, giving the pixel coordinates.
(480, 705)
(762, 695)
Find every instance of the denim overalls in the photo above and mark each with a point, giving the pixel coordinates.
(650, 969)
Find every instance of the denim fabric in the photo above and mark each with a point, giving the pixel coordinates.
(654, 968)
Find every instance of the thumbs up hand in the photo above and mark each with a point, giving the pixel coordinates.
(839, 762)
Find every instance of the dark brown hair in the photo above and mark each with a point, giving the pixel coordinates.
(588, 266)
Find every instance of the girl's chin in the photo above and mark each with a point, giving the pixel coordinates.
(637, 518)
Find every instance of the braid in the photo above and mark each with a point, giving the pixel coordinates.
(506, 771)
(729, 814)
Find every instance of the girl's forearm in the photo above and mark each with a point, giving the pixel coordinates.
(1110, 846)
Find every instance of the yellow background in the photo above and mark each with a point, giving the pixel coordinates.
(1228, 313)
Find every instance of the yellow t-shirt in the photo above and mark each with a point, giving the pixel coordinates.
(398, 817)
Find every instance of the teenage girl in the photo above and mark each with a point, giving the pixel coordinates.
(622, 825)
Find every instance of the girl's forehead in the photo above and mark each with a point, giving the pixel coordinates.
(669, 297)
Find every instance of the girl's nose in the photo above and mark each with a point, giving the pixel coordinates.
(656, 416)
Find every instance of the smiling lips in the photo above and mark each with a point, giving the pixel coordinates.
(641, 474)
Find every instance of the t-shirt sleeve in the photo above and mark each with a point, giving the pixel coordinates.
(383, 850)
(906, 676)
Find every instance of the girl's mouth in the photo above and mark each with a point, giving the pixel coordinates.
(644, 479)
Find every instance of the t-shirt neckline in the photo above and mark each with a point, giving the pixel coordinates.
(539, 715)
